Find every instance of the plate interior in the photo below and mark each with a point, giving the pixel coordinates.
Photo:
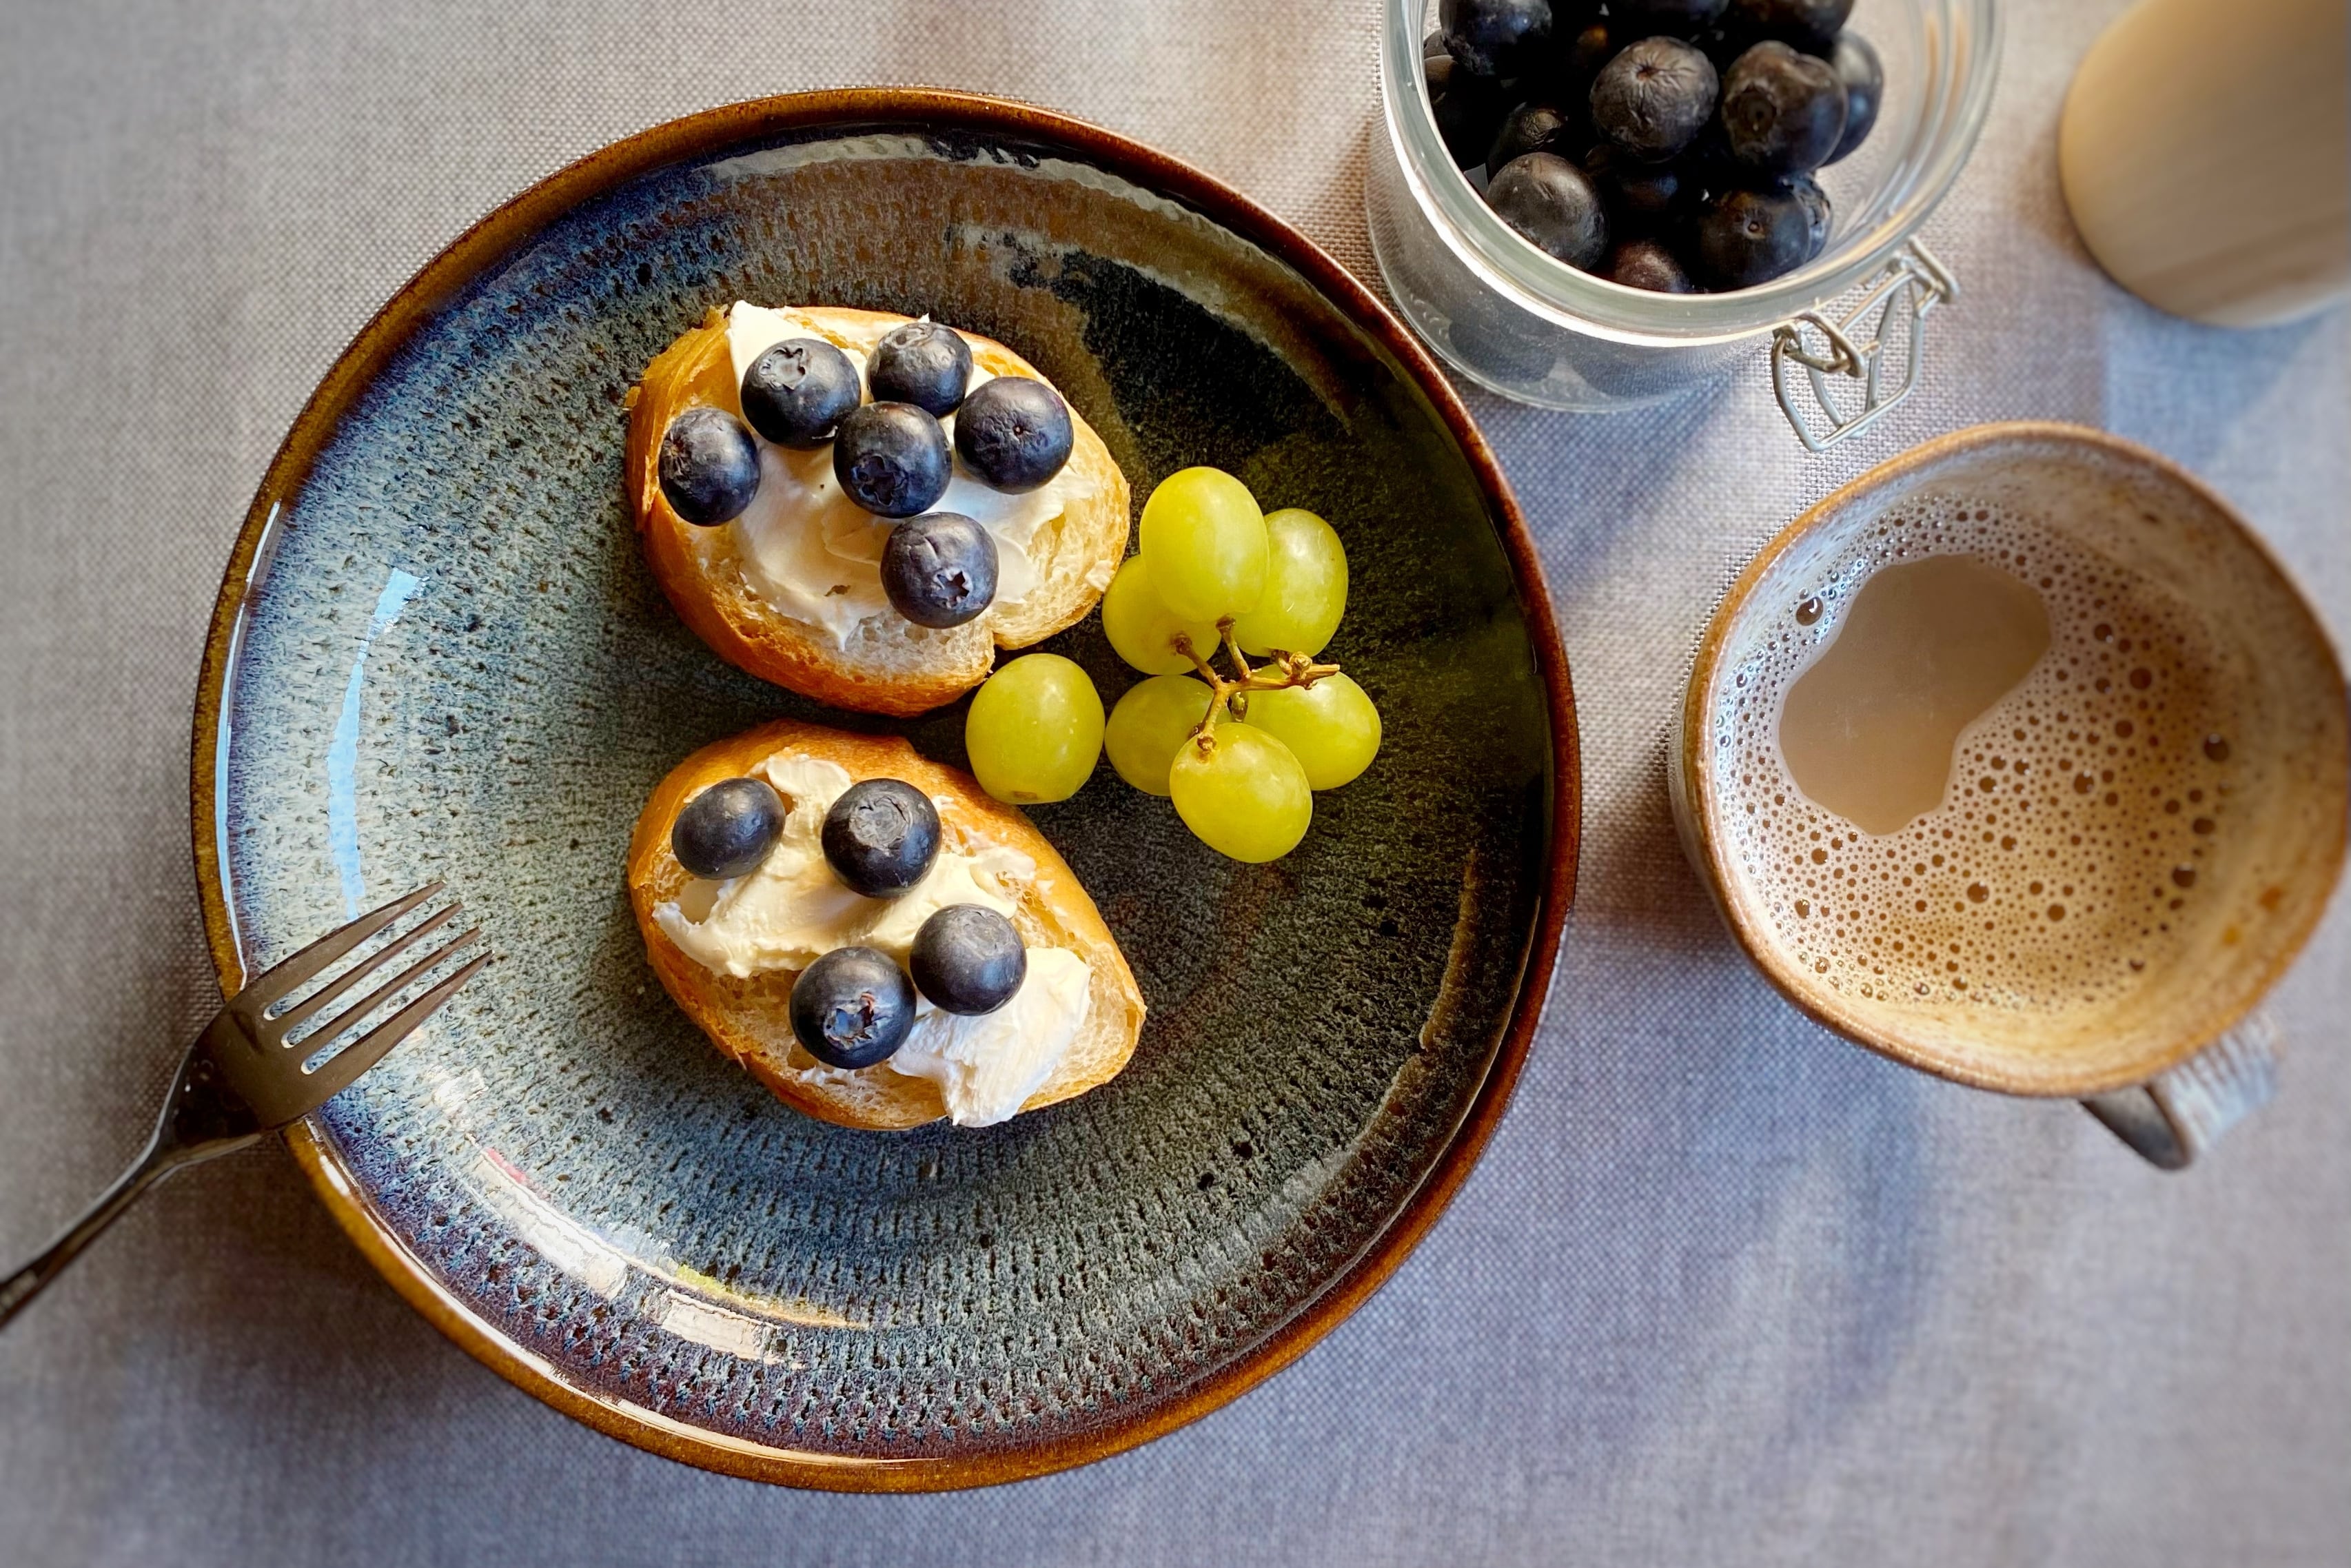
(457, 666)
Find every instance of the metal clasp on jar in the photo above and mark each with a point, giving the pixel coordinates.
(1911, 285)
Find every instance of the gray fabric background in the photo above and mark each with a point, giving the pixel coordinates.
(1724, 1290)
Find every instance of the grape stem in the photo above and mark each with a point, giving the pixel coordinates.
(1281, 671)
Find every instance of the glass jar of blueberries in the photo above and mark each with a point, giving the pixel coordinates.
(1595, 206)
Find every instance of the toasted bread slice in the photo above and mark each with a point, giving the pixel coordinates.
(887, 665)
(749, 1019)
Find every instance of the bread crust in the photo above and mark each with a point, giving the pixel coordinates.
(747, 1019)
(898, 668)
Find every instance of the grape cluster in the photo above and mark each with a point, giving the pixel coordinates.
(1240, 754)
(1662, 144)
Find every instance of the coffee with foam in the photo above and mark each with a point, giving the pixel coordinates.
(2011, 766)
(2073, 814)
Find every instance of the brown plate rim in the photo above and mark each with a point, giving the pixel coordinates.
(711, 131)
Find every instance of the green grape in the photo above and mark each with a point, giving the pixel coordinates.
(1242, 792)
(1205, 538)
(1305, 586)
(1140, 627)
(1149, 723)
(1035, 730)
(1331, 727)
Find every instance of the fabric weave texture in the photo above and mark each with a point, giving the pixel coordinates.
(1725, 1290)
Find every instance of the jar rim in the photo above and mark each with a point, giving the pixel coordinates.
(1964, 43)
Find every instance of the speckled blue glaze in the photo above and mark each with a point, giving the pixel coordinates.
(458, 667)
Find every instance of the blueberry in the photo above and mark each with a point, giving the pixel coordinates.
(1745, 237)
(727, 830)
(1646, 264)
(852, 1007)
(1468, 108)
(1782, 112)
(923, 363)
(1856, 65)
(709, 467)
(1706, 166)
(1817, 214)
(1721, 43)
(1495, 37)
(1532, 128)
(969, 959)
(880, 837)
(1811, 24)
(892, 459)
(1587, 49)
(1562, 75)
(1641, 198)
(1547, 199)
(1014, 432)
(939, 569)
(1654, 98)
(1679, 19)
(796, 392)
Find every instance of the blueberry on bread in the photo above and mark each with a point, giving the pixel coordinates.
(766, 496)
(897, 948)
(922, 363)
(798, 392)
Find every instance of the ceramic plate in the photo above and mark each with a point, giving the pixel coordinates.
(438, 654)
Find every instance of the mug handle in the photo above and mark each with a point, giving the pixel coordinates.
(2173, 1118)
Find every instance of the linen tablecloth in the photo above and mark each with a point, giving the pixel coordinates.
(1724, 1288)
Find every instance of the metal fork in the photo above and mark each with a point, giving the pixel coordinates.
(244, 1075)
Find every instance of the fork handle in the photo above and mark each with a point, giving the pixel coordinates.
(166, 1152)
(150, 1167)
(201, 1119)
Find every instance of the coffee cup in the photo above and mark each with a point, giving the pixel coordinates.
(2019, 760)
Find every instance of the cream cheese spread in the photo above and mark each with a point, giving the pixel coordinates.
(793, 909)
(813, 554)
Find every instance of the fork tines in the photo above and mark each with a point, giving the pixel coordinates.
(278, 1015)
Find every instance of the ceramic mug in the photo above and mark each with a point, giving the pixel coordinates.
(2144, 1002)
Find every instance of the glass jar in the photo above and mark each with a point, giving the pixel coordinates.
(1534, 328)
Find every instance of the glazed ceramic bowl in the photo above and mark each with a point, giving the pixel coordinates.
(438, 654)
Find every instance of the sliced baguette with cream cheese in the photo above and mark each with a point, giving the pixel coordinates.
(792, 589)
(751, 941)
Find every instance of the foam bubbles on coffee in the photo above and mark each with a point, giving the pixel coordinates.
(2086, 811)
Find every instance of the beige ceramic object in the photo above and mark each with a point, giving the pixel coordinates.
(2206, 154)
